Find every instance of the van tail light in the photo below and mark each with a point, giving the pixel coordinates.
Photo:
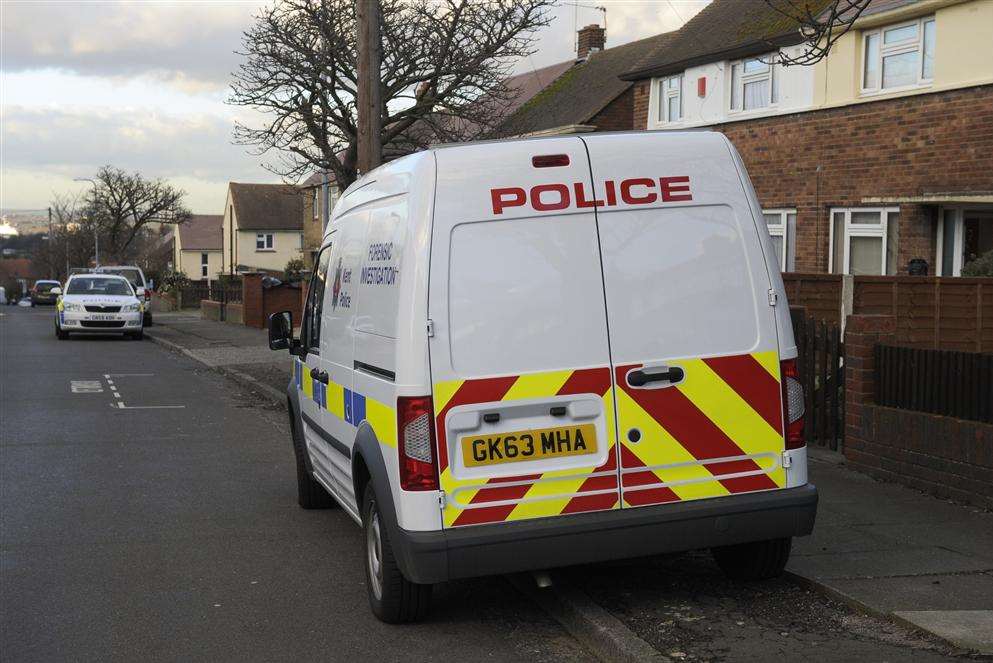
(148, 294)
(792, 404)
(415, 430)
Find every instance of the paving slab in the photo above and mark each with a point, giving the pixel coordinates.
(968, 629)
(971, 591)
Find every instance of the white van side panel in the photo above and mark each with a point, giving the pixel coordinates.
(389, 289)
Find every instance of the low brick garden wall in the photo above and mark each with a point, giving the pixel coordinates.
(947, 457)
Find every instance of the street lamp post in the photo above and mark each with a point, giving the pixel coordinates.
(96, 236)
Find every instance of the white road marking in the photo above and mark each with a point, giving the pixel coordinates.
(110, 382)
(116, 395)
(128, 375)
(86, 386)
(122, 406)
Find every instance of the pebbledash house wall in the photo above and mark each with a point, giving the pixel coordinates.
(907, 146)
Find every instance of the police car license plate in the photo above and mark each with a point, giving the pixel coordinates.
(526, 445)
(102, 317)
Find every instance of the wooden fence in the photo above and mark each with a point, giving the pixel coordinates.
(954, 384)
(931, 312)
(820, 294)
(822, 372)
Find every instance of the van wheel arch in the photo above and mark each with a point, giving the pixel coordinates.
(369, 467)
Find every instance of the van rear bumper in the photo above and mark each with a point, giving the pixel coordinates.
(429, 557)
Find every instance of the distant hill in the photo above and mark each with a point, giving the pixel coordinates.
(27, 221)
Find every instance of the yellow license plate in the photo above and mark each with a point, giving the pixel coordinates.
(496, 448)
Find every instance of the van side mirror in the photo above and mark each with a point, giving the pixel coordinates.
(56, 290)
(281, 332)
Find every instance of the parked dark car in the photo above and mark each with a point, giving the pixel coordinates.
(41, 293)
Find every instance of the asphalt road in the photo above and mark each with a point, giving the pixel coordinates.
(168, 529)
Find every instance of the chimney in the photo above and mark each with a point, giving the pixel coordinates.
(591, 39)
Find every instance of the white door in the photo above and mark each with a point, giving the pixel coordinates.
(519, 356)
(692, 334)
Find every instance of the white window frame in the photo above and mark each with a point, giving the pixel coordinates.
(267, 241)
(905, 46)
(782, 229)
(316, 204)
(771, 74)
(665, 96)
(858, 230)
(204, 263)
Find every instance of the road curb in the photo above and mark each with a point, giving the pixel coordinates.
(274, 396)
(605, 636)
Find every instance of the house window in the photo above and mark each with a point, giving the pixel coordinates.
(782, 227)
(670, 95)
(264, 242)
(898, 56)
(204, 261)
(754, 83)
(864, 240)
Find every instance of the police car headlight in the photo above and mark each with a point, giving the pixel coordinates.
(69, 306)
(131, 308)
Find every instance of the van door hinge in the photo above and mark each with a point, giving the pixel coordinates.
(430, 328)
(441, 499)
(773, 297)
(787, 459)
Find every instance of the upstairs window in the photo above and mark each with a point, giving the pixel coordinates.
(898, 56)
(264, 242)
(671, 99)
(754, 83)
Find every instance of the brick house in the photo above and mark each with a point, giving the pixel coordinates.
(879, 155)
(587, 94)
(320, 193)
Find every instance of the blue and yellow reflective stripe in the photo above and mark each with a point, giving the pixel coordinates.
(348, 405)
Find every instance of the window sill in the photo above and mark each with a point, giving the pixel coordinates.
(265, 250)
(868, 94)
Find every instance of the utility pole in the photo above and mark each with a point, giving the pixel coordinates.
(51, 252)
(369, 102)
(96, 236)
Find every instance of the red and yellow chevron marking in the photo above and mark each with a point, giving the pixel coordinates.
(532, 495)
(716, 433)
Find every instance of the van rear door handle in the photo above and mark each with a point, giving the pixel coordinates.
(643, 376)
(320, 376)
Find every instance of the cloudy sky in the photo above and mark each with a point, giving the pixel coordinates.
(141, 85)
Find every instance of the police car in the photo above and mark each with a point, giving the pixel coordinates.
(99, 304)
(536, 353)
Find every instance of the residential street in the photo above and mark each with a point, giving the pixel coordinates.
(174, 534)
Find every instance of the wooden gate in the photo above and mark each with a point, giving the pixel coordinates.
(821, 365)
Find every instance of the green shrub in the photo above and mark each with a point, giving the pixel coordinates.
(173, 281)
(981, 266)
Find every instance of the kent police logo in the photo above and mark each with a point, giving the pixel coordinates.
(336, 287)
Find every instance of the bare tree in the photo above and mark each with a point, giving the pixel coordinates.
(443, 66)
(70, 241)
(821, 22)
(122, 205)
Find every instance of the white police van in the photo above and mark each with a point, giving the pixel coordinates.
(528, 354)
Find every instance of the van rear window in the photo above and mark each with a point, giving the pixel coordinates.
(525, 296)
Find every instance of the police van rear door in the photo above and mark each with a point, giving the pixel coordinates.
(519, 359)
(692, 332)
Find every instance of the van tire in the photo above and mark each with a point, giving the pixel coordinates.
(759, 560)
(310, 494)
(399, 600)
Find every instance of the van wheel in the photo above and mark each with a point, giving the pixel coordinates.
(310, 494)
(393, 598)
(759, 560)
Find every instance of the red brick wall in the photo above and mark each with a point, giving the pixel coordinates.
(941, 142)
(617, 115)
(946, 457)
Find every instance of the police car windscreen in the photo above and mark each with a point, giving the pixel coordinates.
(98, 286)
